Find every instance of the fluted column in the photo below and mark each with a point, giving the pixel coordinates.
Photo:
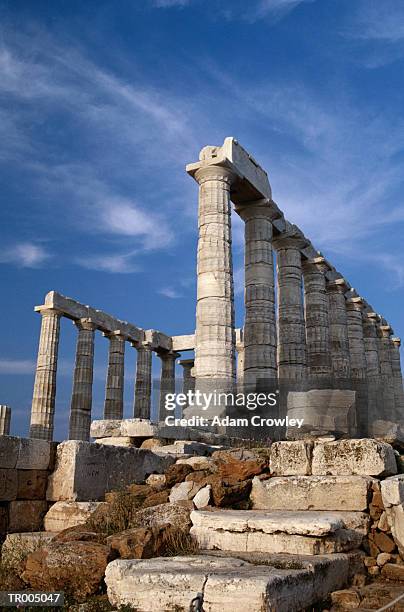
(371, 344)
(386, 372)
(188, 381)
(113, 405)
(215, 333)
(292, 353)
(339, 344)
(317, 319)
(397, 378)
(44, 395)
(167, 380)
(143, 382)
(81, 402)
(357, 352)
(240, 356)
(259, 321)
(5, 420)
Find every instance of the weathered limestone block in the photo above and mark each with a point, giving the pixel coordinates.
(26, 515)
(18, 545)
(132, 428)
(3, 520)
(86, 471)
(32, 484)
(9, 448)
(324, 410)
(118, 441)
(389, 432)
(63, 515)
(184, 491)
(306, 533)
(8, 485)
(364, 457)
(311, 493)
(202, 498)
(392, 490)
(291, 458)
(225, 583)
(311, 523)
(24, 453)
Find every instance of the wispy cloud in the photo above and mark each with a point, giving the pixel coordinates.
(276, 8)
(170, 292)
(25, 255)
(17, 366)
(115, 264)
(169, 3)
(375, 20)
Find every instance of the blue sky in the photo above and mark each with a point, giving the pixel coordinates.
(103, 103)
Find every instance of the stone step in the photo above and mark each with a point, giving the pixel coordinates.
(300, 532)
(223, 583)
(348, 493)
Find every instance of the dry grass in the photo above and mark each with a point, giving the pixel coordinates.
(11, 563)
(180, 543)
(119, 515)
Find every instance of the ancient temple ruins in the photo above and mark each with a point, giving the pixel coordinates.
(302, 322)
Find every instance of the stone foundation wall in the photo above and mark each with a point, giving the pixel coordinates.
(25, 465)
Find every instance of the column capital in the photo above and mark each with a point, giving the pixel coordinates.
(291, 238)
(355, 303)
(396, 342)
(259, 208)
(117, 333)
(87, 324)
(168, 355)
(316, 264)
(48, 311)
(339, 285)
(215, 173)
(186, 363)
(385, 331)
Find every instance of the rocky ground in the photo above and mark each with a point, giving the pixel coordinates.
(152, 520)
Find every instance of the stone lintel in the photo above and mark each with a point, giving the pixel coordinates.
(252, 181)
(183, 343)
(71, 309)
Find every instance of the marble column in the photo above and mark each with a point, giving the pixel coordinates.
(397, 378)
(386, 372)
(260, 320)
(240, 357)
(113, 405)
(292, 353)
(143, 381)
(371, 343)
(188, 381)
(356, 343)
(215, 332)
(317, 319)
(5, 420)
(82, 394)
(44, 395)
(167, 380)
(339, 344)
